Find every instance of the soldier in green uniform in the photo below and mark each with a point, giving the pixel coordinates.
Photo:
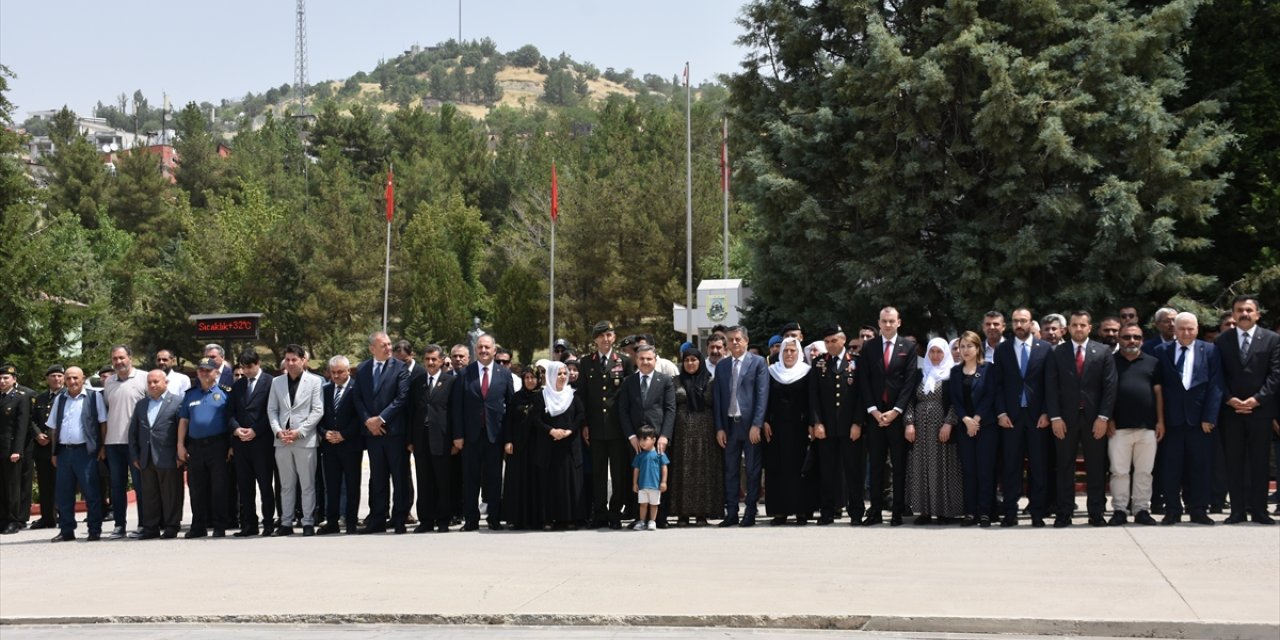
(600, 376)
(15, 422)
(836, 429)
(42, 452)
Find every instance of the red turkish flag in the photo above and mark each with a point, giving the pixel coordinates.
(555, 195)
(391, 194)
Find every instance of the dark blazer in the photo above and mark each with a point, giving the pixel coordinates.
(251, 411)
(1067, 392)
(15, 420)
(900, 379)
(1259, 377)
(657, 410)
(833, 394)
(475, 415)
(1200, 403)
(753, 392)
(1150, 345)
(986, 389)
(430, 427)
(159, 437)
(1007, 374)
(341, 418)
(391, 399)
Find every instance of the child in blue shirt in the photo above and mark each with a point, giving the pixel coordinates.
(648, 478)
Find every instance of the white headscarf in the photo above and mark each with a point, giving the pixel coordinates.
(557, 402)
(784, 374)
(816, 344)
(934, 375)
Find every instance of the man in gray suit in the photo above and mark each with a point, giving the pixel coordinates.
(740, 395)
(648, 397)
(153, 450)
(294, 410)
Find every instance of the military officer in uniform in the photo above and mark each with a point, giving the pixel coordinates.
(15, 421)
(42, 452)
(204, 445)
(836, 430)
(600, 378)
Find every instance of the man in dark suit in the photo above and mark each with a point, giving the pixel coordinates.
(341, 448)
(1251, 372)
(381, 395)
(836, 420)
(889, 371)
(479, 405)
(1162, 322)
(431, 441)
(600, 378)
(1080, 391)
(153, 450)
(251, 442)
(648, 397)
(1019, 369)
(16, 403)
(739, 401)
(403, 350)
(1191, 386)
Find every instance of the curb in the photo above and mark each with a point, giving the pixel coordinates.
(899, 624)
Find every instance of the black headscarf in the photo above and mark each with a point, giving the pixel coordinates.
(695, 384)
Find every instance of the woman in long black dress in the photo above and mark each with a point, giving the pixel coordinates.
(697, 463)
(786, 434)
(558, 417)
(521, 497)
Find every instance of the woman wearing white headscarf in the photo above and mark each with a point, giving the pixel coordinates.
(935, 486)
(786, 435)
(559, 416)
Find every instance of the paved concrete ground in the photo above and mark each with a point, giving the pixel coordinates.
(447, 632)
(1184, 581)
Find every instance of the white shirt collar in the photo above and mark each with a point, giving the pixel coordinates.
(1080, 345)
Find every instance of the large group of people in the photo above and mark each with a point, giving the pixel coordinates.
(856, 426)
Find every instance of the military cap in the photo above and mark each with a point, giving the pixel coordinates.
(601, 327)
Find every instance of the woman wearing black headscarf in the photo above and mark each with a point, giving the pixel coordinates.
(697, 463)
(521, 496)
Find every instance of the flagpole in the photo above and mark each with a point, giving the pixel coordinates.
(688, 205)
(724, 183)
(386, 282)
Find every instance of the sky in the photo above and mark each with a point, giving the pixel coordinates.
(76, 52)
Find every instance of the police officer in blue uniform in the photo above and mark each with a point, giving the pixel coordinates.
(204, 445)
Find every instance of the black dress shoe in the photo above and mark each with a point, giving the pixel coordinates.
(922, 520)
(195, 533)
(368, 529)
(873, 520)
(1118, 519)
(801, 521)
(63, 537)
(984, 521)
(423, 528)
(895, 520)
(328, 529)
(748, 521)
(1037, 522)
(11, 529)
(400, 529)
(308, 530)
(149, 534)
(245, 533)
(170, 533)
(1263, 518)
(442, 528)
(777, 521)
(1144, 518)
(43, 524)
(282, 531)
(495, 525)
(1061, 522)
(470, 526)
(268, 529)
(1235, 518)
(1201, 518)
(662, 523)
(728, 522)
(94, 537)
(1170, 519)
(1010, 520)
(1097, 521)
(826, 520)
(968, 521)
(219, 533)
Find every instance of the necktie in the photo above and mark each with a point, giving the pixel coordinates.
(888, 351)
(644, 387)
(1182, 359)
(252, 381)
(1244, 349)
(337, 396)
(377, 376)
(1080, 361)
(431, 383)
(733, 391)
(484, 382)
(1022, 364)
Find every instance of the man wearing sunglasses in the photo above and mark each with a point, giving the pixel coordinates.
(1138, 426)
